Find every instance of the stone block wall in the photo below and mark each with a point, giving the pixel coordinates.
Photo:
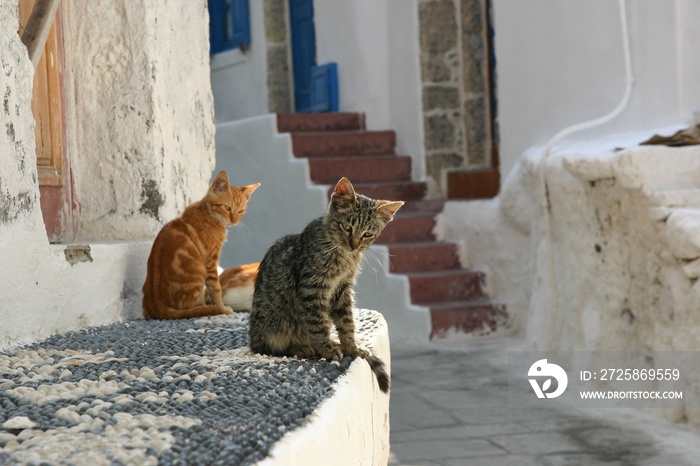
(279, 66)
(454, 71)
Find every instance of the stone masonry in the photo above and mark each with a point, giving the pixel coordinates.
(279, 67)
(454, 70)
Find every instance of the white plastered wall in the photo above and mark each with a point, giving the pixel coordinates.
(377, 50)
(239, 79)
(561, 63)
(139, 113)
(357, 407)
(623, 222)
(138, 107)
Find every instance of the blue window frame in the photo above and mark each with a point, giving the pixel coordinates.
(229, 25)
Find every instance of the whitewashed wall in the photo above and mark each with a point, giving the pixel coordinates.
(139, 130)
(139, 112)
(624, 223)
(239, 79)
(560, 63)
(376, 46)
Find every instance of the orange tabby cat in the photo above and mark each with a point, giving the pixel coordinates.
(237, 286)
(182, 279)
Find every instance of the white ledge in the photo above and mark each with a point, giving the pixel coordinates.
(352, 426)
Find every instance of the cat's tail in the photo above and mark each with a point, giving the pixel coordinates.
(379, 369)
(238, 285)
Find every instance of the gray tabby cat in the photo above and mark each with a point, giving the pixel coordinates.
(305, 282)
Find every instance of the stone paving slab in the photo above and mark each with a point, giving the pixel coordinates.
(449, 407)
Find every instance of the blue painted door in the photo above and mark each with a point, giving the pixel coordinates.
(315, 87)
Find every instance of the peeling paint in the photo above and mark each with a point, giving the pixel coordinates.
(6, 100)
(11, 131)
(152, 198)
(11, 207)
(78, 253)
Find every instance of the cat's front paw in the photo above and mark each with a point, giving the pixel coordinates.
(350, 348)
(356, 351)
(228, 310)
(332, 354)
(304, 352)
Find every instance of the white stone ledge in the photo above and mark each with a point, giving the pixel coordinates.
(351, 427)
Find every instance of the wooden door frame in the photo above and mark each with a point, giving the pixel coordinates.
(53, 164)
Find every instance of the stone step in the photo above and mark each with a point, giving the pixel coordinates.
(478, 317)
(305, 122)
(425, 256)
(378, 168)
(410, 227)
(392, 191)
(446, 285)
(473, 184)
(422, 206)
(339, 143)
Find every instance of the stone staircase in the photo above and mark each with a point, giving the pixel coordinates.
(338, 144)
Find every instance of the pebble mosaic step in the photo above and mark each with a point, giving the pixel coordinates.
(164, 392)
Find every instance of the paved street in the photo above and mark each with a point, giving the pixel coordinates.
(449, 407)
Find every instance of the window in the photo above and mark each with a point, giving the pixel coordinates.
(229, 25)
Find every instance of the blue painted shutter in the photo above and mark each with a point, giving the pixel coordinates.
(217, 27)
(324, 88)
(301, 14)
(241, 23)
(229, 25)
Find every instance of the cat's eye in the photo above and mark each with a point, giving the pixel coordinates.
(347, 227)
(367, 234)
(228, 207)
(241, 211)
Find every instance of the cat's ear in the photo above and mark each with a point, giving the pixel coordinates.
(220, 184)
(249, 190)
(343, 194)
(344, 188)
(387, 209)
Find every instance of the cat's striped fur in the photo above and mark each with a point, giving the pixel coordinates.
(305, 282)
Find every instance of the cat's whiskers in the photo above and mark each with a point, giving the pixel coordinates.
(243, 226)
(372, 255)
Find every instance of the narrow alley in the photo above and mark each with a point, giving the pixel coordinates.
(449, 407)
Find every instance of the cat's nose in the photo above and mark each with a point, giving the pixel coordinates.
(354, 243)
